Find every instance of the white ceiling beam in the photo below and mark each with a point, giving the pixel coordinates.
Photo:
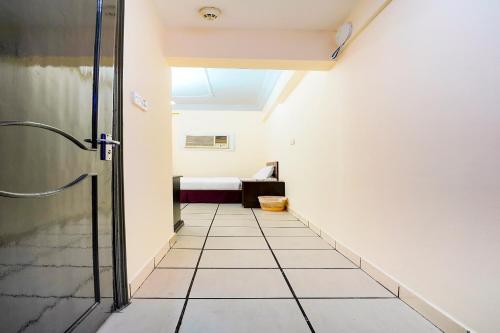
(272, 49)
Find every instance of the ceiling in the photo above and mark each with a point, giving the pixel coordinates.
(222, 89)
(258, 14)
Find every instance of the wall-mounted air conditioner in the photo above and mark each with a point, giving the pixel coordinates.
(207, 141)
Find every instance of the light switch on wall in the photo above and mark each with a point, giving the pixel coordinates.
(292, 141)
(139, 101)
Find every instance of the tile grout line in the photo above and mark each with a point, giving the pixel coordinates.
(181, 316)
(264, 298)
(276, 268)
(309, 324)
(248, 236)
(254, 249)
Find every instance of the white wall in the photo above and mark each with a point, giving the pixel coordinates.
(246, 158)
(147, 137)
(397, 156)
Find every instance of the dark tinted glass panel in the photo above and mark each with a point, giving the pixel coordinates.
(46, 244)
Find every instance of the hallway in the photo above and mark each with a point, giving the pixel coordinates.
(246, 270)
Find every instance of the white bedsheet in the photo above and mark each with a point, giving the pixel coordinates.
(210, 183)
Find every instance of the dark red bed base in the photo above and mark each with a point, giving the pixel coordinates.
(220, 196)
(211, 196)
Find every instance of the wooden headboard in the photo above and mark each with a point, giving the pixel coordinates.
(276, 173)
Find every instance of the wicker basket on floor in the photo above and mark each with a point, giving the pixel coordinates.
(272, 203)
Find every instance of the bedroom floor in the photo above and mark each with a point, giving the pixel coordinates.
(246, 270)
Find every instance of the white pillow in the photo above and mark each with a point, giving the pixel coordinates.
(264, 173)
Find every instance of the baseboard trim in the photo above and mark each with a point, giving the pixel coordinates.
(148, 268)
(353, 257)
(298, 216)
(315, 228)
(432, 313)
(140, 277)
(376, 273)
(329, 240)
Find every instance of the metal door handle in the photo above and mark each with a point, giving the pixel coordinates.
(105, 142)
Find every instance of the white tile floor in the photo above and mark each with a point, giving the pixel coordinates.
(241, 270)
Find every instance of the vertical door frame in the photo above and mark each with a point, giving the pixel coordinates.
(121, 292)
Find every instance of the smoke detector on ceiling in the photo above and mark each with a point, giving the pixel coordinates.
(209, 13)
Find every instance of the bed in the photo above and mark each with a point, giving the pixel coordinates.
(222, 189)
